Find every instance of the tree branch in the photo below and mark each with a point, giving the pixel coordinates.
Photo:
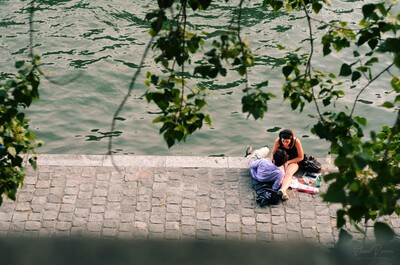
(128, 94)
(31, 51)
(241, 44)
(31, 13)
(308, 65)
(367, 85)
(395, 130)
(184, 5)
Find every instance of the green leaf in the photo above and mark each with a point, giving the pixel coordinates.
(361, 120)
(397, 60)
(165, 3)
(362, 69)
(161, 100)
(335, 193)
(223, 71)
(170, 139)
(207, 119)
(33, 162)
(372, 61)
(316, 7)
(391, 45)
(19, 64)
(388, 105)
(324, 26)
(159, 119)
(262, 84)
(368, 10)
(276, 5)
(361, 160)
(12, 194)
(373, 43)
(200, 103)
(275, 129)
(205, 3)
(326, 101)
(344, 237)
(157, 24)
(395, 82)
(355, 76)
(314, 82)
(194, 4)
(383, 232)
(150, 16)
(326, 49)
(382, 9)
(287, 70)
(365, 101)
(364, 37)
(36, 57)
(280, 47)
(345, 70)
(341, 221)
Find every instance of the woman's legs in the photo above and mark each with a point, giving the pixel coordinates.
(287, 180)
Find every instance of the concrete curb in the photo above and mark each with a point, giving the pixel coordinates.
(144, 161)
(141, 161)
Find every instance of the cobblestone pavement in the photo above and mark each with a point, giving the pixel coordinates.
(160, 202)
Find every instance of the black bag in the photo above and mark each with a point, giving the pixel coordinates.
(310, 164)
(265, 195)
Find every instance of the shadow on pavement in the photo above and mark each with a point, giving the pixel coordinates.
(60, 251)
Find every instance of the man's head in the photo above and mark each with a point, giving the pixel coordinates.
(280, 157)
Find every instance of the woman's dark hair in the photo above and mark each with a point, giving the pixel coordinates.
(286, 134)
(280, 157)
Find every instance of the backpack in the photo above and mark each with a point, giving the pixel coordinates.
(265, 195)
(310, 164)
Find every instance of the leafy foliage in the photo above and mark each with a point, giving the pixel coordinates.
(181, 106)
(367, 183)
(15, 137)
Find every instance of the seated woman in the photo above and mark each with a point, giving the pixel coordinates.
(264, 170)
(293, 147)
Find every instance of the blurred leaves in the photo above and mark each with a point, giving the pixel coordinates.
(16, 94)
(383, 232)
(182, 105)
(366, 183)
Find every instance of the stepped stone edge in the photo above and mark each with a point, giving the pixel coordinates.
(140, 161)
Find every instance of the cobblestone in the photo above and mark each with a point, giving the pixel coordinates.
(163, 203)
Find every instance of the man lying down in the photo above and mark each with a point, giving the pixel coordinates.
(265, 171)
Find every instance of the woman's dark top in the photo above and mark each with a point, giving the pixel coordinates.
(292, 152)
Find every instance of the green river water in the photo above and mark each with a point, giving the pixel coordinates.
(102, 42)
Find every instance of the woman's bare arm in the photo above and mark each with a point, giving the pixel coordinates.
(300, 152)
(274, 148)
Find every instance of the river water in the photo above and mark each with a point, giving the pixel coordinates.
(101, 43)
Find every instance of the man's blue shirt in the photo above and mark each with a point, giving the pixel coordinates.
(265, 171)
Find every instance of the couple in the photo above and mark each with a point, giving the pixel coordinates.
(285, 156)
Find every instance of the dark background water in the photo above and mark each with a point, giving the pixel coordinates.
(102, 42)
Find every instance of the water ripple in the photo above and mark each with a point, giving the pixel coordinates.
(103, 42)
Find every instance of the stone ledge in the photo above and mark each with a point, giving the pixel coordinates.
(144, 161)
(141, 161)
